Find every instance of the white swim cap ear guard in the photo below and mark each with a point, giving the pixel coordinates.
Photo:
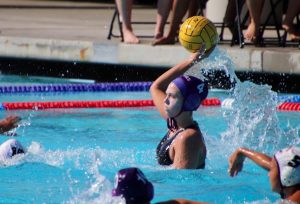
(288, 161)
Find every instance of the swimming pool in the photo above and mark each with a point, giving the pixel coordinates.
(75, 153)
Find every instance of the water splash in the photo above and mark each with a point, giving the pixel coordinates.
(230, 200)
(88, 160)
(264, 201)
(22, 125)
(219, 60)
(268, 201)
(34, 153)
(99, 190)
(252, 121)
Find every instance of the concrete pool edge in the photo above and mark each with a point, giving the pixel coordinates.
(277, 60)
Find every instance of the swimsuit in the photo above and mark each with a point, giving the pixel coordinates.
(162, 150)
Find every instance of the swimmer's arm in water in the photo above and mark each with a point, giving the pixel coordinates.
(187, 151)
(180, 201)
(160, 85)
(236, 160)
(9, 123)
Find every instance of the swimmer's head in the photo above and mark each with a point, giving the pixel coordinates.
(11, 148)
(288, 163)
(133, 186)
(193, 91)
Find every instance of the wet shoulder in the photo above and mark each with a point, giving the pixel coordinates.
(193, 135)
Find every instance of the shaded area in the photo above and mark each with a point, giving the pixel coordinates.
(284, 83)
(63, 69)
(280, 82)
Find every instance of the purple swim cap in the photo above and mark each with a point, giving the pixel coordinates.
(193, 90)
(132, 185)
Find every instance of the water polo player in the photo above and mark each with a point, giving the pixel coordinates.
(10, 148)
(135, 188)
(284, 169)
(176, 97)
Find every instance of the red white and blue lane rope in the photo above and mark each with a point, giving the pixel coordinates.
(287, 103)
(97, 87)
(227, 103)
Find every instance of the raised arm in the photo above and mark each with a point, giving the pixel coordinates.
(236, 160)
(8, 123)
(160, 85)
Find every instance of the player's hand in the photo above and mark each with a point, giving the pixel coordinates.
(8, 123)
(236, 162)
(202, 53)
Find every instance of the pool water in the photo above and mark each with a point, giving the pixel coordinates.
(73, 154)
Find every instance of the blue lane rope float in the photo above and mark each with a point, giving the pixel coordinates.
(101, 87)
(97, 87)
(295, 99)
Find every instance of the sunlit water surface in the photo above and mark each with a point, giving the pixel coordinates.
(73, 154)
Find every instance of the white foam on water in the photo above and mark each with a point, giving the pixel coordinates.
(90, 160)
(99, 190)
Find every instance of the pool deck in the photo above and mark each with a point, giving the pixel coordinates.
(74, 31)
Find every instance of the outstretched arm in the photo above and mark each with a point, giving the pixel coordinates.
(9, 123)
(160, 85)
(236, 160)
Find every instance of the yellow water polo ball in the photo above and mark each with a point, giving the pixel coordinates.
(196, 30)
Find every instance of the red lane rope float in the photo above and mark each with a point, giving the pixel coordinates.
(91, 104)
(78, 104)
(289, 106)
(211, 102)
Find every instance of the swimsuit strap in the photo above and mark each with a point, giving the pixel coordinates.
(175, 134)
(172, 124)
(179, 131)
